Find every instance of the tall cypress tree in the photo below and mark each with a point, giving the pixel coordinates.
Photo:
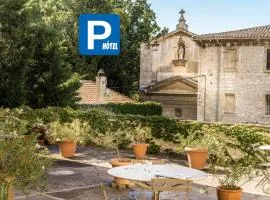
(34, 65)
(14, 56)
(50, 81)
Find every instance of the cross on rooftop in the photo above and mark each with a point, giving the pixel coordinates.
(182, 21)
(182, 18)
(182, 12)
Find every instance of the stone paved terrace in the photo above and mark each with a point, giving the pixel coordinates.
(77, 179)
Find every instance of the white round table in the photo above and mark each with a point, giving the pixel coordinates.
(265, 147)
(146, 172)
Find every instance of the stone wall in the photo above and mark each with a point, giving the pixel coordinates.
(157, 59)
(236, 68)
(187, 103)
(249, 81)
(145, 65)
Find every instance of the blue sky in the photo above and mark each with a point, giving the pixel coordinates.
(207, 16)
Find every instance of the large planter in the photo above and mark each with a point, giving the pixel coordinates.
(224, 194)
(140, 150)
(6, 189)
(67, 148)
(197, 158)
(117, 163)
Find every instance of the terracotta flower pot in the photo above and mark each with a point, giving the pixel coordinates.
(26, 138)
(7, 188)
(224, 194)
(140, 150)
(41, 142)
(197, 158)
(115, 162)
(67, 148)
(10, 192)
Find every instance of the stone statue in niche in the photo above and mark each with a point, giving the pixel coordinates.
(181, 52)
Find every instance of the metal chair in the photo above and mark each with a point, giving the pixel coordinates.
(264, 166)
(174, 186)
(153, 161)
(102, 187)
(169, 188)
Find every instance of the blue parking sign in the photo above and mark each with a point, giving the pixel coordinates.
(99, 34)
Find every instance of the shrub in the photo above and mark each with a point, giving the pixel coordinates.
(21, 162)
(103, 121)
(76, 130)
(141, 134)
(146, 109)
(244, 134)
(153, 148)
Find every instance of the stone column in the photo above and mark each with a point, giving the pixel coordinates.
(155, 58)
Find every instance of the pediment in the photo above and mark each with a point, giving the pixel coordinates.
(174, 85)
(175, 33)
(178, 88)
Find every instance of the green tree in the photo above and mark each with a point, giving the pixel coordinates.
(39, 49)
(14, 55)
(44, 73)
(138, 24)
(49, 79)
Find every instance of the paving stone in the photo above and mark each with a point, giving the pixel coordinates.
(94, 193)
(76, 178)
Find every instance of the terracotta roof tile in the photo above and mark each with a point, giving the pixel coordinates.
(88, 94)
(261, 32)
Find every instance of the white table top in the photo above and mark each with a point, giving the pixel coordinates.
(265, 147)
(146, 172)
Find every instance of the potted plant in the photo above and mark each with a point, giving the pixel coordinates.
(41, 130)
(230, 182)
(141, 137)
(199, 146)
(68, 134)
(196, 148)
(236, 167)
(21, 164)
(118, 134)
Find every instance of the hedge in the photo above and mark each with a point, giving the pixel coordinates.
(162, 127)
(146, 108)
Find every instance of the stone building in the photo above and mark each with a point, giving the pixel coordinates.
(97, 92)
(211, 77)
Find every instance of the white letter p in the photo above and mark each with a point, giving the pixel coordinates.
(91, 35)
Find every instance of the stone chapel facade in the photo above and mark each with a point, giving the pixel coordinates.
(211, 77)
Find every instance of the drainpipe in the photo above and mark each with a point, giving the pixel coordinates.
(204, 95)
(204, 99)
(218, 82)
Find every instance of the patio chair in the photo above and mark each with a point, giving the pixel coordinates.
(175, 187)
(102, 187)
(264, 166)
(130, 196)
(166, 188)
(159, 161)
(153, 161)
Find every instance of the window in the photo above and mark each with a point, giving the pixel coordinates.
(229, 107)
(178, 112)
(268, 59)
(267, 102)
(229, 60)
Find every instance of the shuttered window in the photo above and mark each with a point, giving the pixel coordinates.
(230, 58)
(268, 60)
(229, 107)
(267, 104)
